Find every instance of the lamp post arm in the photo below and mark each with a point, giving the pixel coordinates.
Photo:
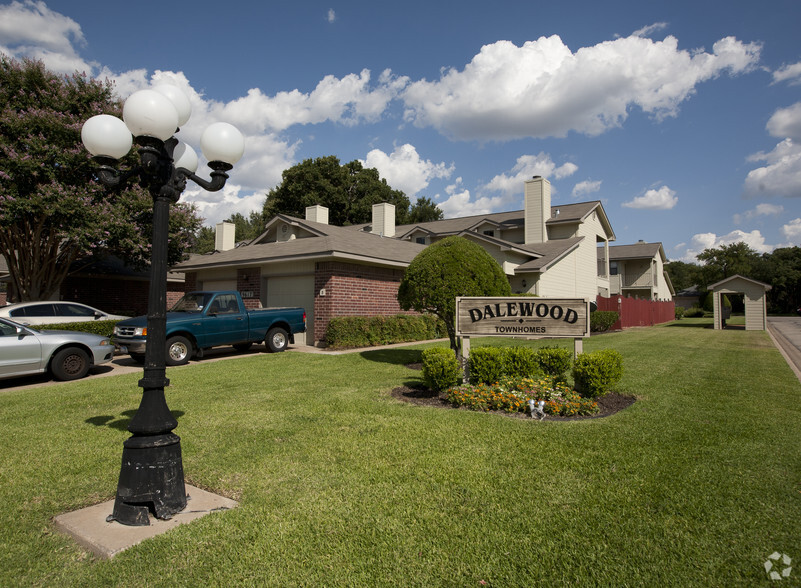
(218, 176)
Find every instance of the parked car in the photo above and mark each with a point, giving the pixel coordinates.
(54, 312)
(202, 320)
(66, 355)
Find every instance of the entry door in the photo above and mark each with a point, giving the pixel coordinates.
(294, 291)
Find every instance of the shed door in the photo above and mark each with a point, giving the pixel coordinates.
(294, 291)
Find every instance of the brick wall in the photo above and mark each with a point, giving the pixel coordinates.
(353, 290)
(248, 281)
(115, 296)
(190, 281)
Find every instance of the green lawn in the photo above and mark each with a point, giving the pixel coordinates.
(342, 485)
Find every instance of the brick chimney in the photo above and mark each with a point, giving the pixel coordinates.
(317, 214)
(224, 236)
(537, 209)
(384, 219)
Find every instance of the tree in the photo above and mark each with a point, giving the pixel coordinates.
(782, 270)
(684, 275)
(348, 191)
(52, 212)
(424, 210)
(728, 260)
(449, 268)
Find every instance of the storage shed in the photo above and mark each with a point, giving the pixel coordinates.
(753, 297)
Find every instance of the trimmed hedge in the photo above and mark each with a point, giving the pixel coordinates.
(489, 364)
(102, 328)
(362, 331)
(440, 368)
(554, 361)
(594, 374)
(602, 320)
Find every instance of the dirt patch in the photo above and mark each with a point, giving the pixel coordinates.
(609, 404)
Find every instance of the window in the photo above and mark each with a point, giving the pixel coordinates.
(73, 310)
(489, 232)
(35, 310)
(612, 268)
(420, 240)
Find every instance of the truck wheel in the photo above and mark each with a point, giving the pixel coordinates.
(242, 346)
(70, 364)
(179, 350)
(277, 339)
(137, 357)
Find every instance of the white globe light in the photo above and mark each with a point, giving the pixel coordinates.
(107, 136)
(178, 99)
(222, 142)
(184, 156)
(150, 114)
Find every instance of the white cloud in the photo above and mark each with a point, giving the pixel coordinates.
(543, 89)
(586, 187)
(331, 16)
(760, 210)
(404, 169)
(30, 29)
(788, 73)
(792, 231)
(703, 241)
(510, 185)
(662, 199)
(215, 207)
(781, 176)
(459, 202)
(786, 122)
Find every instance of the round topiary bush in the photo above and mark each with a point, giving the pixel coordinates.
(440, 368)
(594, 374)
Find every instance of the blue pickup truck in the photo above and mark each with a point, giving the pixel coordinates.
(202, 320)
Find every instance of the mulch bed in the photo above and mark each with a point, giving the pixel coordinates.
(609, 403)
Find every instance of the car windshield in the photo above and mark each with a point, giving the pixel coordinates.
(13, 324)
(192, 302)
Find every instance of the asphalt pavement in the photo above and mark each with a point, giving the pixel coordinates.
(786, 334)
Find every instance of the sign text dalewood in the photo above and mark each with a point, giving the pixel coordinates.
(522, 316)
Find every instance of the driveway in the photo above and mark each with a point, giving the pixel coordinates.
(786, 334)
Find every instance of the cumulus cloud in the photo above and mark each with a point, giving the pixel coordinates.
(586, 187)
(792, 231)
(460, 203)
(760, 210)
(511, 184)
(30, 29)
(405, 170)
(703, 241)
(788, 73)
(781, 174)
(662, 199)
(215, 207)
(331, 16)
(543, 89)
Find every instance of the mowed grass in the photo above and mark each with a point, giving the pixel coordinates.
(342, 485)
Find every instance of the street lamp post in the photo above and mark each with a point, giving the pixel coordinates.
(152, 476)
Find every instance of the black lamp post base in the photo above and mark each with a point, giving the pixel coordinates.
(151, 480)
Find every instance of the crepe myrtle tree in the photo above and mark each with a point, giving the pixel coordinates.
(52, 212)
(449, 268)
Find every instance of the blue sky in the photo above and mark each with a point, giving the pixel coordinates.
(683, 118)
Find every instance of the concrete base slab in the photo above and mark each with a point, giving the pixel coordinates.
(89, 528)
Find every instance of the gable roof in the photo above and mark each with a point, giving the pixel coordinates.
(739, 277)
(641, 250)
(333, 242)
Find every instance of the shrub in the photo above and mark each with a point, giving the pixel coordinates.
(554, 361)
(694, 312)
(440, 368)
(596, 373)
(519, 361)
(361, 331)
(602, 320)
(513, 395)
(679, 312)
(485, 364)
(102, 328)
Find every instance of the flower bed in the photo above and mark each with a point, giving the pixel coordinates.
(513, 394)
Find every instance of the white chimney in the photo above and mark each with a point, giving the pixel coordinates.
(384, 219)
(537, 209)
(224, 236)
(317, 214)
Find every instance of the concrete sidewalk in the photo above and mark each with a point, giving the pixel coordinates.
(785, 331)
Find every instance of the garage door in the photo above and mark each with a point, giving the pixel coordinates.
(294, 291)
(217, 285)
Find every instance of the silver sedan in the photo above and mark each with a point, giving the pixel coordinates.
(66, 355)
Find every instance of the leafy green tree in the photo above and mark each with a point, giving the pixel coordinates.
(449, 268)
(246, 229)
(782, 270)
(348, 191)
(728, 260)
(684, 275)
(424, 210)
(52, 212)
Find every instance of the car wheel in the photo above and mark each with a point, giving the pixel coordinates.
(179, 350)
(277, 339)
(71, 363)
(137, 357)
(242, 346)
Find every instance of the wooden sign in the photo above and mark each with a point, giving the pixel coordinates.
(522, 316)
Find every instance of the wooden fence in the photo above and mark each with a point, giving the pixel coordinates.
(637, 312)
